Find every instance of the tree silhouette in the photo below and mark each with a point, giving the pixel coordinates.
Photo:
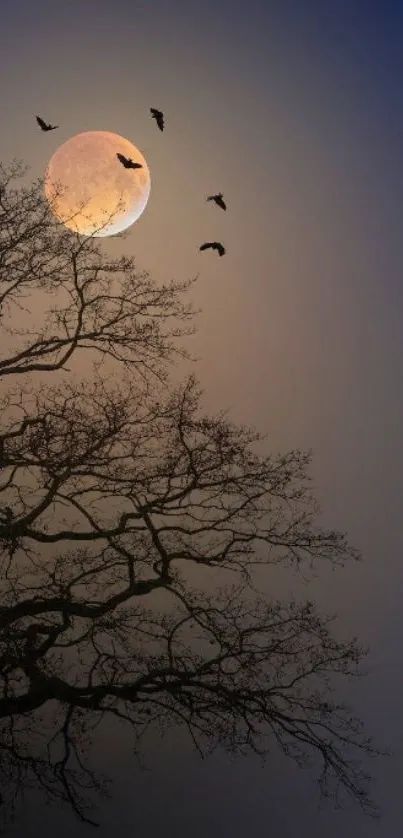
(113, 490)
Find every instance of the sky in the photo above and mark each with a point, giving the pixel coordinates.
(294, 111)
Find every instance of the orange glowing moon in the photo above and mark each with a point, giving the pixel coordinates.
(90, 191)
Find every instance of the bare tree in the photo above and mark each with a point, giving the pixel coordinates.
(99, 304)
(112, 493)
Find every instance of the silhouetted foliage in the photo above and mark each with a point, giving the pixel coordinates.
(113, 489)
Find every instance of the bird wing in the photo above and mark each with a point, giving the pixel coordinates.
(121, 157)
(221, 203)
(205, 246)
(219, 247)
(41, 122)
(158, 116)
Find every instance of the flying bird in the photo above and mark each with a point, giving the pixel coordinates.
(45, 126)
(127, 162)
(214, 246)
(218, 199)
(159, 117)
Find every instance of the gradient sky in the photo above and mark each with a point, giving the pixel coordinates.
(294, 109)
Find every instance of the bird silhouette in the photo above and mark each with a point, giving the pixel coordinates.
(159, 117)
(214, 246)
(218, 199)
(127, 162)
(45, 126)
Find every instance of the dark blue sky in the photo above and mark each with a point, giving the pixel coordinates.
(295, 110)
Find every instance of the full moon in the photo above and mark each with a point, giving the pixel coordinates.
(88, 188)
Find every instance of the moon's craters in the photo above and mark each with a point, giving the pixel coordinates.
(89, 190)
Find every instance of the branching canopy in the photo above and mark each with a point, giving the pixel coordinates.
(113, 494)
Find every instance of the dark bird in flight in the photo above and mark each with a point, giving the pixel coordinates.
(214, 246)
(218, 199)
(159, 117)
(45, 126)
(127, 162)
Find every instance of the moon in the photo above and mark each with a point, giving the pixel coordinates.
(90, 191)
